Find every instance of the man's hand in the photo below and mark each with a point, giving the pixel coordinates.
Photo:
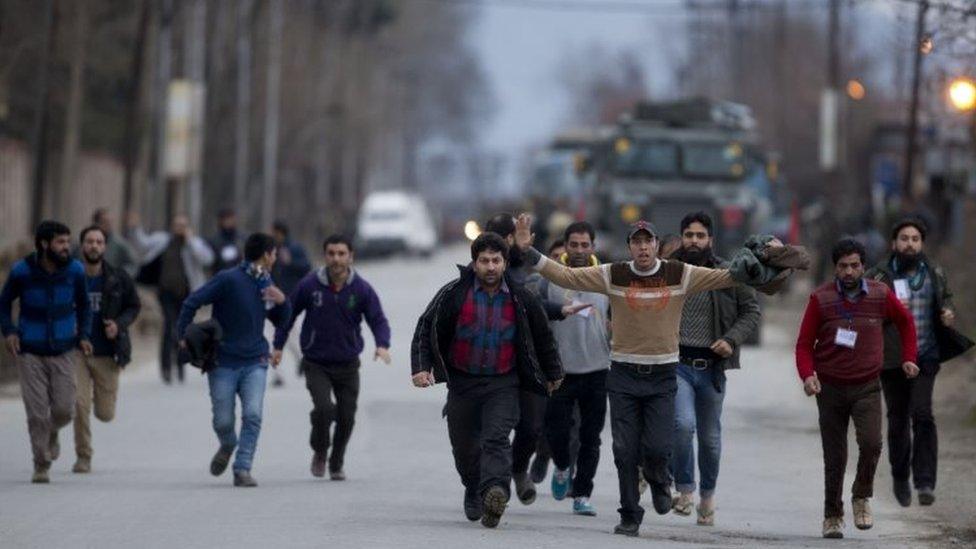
(382, 353)
(284, 255)
(111, 329)
(775, 243)
(948, 317)
(13, 344)
(423, 379)
(570, 310)
(722, 348)
(86, 347)
(811, 385)
(911, 369)
(275, 358)
(132, 220)
(553, 386)
(274, 295)
(523, 232)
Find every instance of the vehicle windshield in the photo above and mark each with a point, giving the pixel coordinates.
(555, 179)
(646, 158)
(385, 215)
(713, 160)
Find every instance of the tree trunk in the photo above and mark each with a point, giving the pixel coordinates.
(42, 115)
(271, 114)
(132, 106)
(72, 126)
(243, 107)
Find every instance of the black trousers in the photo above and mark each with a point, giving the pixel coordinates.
(169, 343)
(913, 441)
(481, 413)
(323, 382)
(529, 430)
(588, 392)
(642, 424)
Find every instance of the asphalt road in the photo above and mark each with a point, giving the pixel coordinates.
(150, 486)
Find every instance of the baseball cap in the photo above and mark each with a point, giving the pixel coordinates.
(639, 226)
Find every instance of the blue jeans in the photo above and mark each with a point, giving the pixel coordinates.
(698, 407)
(225, 385)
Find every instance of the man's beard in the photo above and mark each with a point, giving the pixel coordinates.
(57, 259)
(578, 260)
(92, 259)
(694, 255)
(908, 262)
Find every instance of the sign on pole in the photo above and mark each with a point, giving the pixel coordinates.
(184, 125)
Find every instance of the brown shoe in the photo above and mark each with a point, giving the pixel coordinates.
(682, 504)
(833, 528)
(863, 519)
(82, 465)
(40, 474)
(318, 465)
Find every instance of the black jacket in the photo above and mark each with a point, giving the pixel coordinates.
(120, 303)
(950, 343)
(537, 357)
(202, 341)
(736, 314)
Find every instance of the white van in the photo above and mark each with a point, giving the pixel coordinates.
(395, 221)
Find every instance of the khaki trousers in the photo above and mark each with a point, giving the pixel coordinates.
(47, 385)
(98, 383)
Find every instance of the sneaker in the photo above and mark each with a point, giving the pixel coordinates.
(82, 465)
(220, 460)
(560, 483)
(833, 528)
(863, 519)
(41, 474)
(524, 488)
(629, 529)
(683, 504)
(539, 469)
(582, 506)
(318, 465)
(53, 446)
(243, 479)
(473, 505)
(337, 475)
(903, 492)
(661, 497)
(926, 496)
(494, 503)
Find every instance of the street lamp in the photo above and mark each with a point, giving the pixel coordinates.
(962, 94)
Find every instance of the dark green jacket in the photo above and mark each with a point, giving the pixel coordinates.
(735, 313)
(950, 342)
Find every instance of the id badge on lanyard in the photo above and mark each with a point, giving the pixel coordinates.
(846, 337)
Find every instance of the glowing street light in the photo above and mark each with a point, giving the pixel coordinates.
(855, 90)
(962, 94)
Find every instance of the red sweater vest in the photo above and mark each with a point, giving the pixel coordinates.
(839, 365)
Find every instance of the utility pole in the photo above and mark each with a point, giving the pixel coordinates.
(272, 104)
(132, 106)
(911, 139)
(164, 58)
(830, 111)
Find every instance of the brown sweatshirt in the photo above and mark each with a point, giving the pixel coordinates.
(645, 306)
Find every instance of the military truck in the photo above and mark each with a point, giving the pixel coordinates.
(665, 160)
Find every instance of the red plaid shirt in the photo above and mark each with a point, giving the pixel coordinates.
(485, 332)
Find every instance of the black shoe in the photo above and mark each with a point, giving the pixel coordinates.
(926, 496)
(495, 501)
(539, 469)
(661, 496)
(625, 528)
(220, 460)
(903, 492)
(524, 488)
(243, 479)
(473, 505)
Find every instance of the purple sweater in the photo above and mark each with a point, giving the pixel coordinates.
(331, 331)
